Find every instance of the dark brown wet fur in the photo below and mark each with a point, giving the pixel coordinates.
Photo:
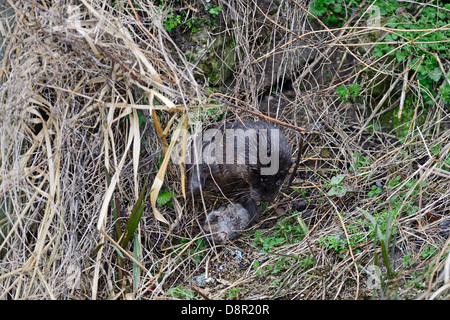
(237, 180)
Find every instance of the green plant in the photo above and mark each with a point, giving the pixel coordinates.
(195, 23)
(165, 198)
(357, 234)
(386, 241)
(181, 292)
(195, 250)
(289, 229)
(268, 242)
(336, 186)
(360, 161)
(417, 43)
(333, 242)
(360, 231)
(279, 265)
(348, 93)
(171, 21)
(136, 214)
(235, 293)
(443, 163)
(407, 261)
(374, 191)
(332, 12)
(428, 252)
(216, 113)
(308, 262)
(419, 39)
(213, 10)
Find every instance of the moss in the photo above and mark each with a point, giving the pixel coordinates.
(401, 125)
(217, 60)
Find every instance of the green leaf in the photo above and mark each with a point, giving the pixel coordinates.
(136, 268)
(303, 225)
(343, 93)
(181, 292)
(317, 8)
(414, 63)
(136, 214)
(377, 51)
(444, 90)
(354, 90)
(337, 8)
(435, 74)
(374, 223)
(163, 198)
(117, 250)
(331, 20)
(338, 191)
(392, 22)
(336, 180)
(400, 55)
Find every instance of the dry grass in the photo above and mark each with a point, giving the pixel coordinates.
(77, 81)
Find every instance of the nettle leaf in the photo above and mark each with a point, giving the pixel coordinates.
(444, 90)
(163, 198)
(392, 22)
(423, 71)
(435, 74)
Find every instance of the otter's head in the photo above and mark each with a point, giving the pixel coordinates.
(266, 187)
(274, 162)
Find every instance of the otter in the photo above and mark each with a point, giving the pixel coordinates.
(225, 223)
(241, 158)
